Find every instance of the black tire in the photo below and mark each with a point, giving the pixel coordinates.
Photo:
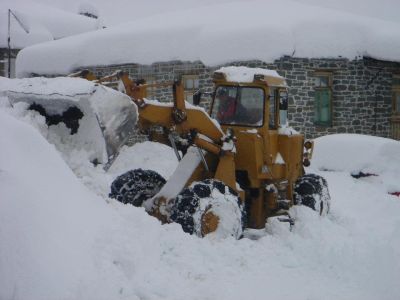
(311, 190)
(136, 186)
(209, 195)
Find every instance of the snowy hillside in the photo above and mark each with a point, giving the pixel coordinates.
(63, 238)
(221, 33)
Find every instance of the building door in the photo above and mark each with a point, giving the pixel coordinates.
(12, 69)
(395, 119)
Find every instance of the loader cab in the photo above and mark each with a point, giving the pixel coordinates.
(247, 98)
(254, 105)
(239, 105)
(250, 106)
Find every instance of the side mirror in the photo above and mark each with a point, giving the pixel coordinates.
(197, 97)
(283, 108)
(283, 103)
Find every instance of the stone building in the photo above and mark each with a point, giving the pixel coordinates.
(28, 25)
(325, 96)
(329, 58)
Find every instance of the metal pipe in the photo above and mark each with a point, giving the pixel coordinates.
(9, 44)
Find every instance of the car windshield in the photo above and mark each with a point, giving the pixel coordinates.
(238, 106)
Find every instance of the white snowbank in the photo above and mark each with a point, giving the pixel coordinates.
(353, 153)
(65, 86)
(142, 155)
(108, 115)
(43, 23)
(61, 240)
(116, 14)
(221, 33)
(50, 223)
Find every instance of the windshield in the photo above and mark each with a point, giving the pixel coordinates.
(238, 106)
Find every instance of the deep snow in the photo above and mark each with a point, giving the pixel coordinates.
(218, 34)
(101, 117)
(62, 238)
(123, 12)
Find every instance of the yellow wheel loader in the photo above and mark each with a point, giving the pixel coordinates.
(239, 164)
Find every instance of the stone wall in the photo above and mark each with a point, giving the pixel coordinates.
(362, 95)
(361, 90)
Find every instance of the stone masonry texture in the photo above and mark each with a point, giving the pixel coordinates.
(361, 90)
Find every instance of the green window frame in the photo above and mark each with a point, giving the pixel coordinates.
(323, 99)
(396, 95)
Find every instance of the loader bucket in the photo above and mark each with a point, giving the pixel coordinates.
(88, 116)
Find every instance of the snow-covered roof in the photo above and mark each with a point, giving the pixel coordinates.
(115, 14)
(42, 22)
(245, 74)
(219, 34)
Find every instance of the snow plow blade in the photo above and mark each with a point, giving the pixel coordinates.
(88, 116)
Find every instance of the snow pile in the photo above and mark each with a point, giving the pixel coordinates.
(107, 115)
(39, 23)
(360, 154)
(65, 86)
(141, 156)
(249, 29)
(55, 233)
(112, 14)
(45, 224)
(116, 14)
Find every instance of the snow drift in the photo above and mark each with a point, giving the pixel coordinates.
(98, 118)
(61, 240)
(359, 154)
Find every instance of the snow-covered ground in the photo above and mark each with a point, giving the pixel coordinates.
(61, 237)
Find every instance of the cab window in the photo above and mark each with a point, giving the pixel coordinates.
(272, 108)
(238, 106)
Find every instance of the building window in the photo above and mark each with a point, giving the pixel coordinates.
(191, 85)
(396, 94)
(152, 87)
(323, 99)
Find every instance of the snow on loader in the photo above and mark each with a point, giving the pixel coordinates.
(239, 165)
(90, 116)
